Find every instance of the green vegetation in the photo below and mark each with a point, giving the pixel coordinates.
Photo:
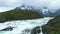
(16, 14)
(53, 26)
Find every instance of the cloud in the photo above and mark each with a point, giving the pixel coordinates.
(9, 3)
(50, 4)
(55, 4)
(38, 3)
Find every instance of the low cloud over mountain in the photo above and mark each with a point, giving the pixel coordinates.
(50, 4)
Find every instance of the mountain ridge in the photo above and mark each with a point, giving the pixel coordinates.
(44, 11)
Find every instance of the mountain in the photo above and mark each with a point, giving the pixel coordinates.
(57, 12)
(43, 11)
(53, 26)
(51, 13)
(19, 15)
(48, 13)
(27, 7)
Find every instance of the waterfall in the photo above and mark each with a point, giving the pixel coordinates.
(23, 26)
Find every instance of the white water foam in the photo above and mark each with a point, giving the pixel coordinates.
(21, 25)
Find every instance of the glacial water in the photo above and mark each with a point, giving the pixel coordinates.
(23, 26)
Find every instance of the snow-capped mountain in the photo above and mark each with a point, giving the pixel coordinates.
(43, 11)
(26, 7)
(47, 12)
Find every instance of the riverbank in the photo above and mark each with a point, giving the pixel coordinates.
(52, 27)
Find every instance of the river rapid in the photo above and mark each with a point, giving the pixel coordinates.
(23, 26)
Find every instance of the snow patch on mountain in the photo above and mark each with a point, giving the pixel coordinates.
(44, 11)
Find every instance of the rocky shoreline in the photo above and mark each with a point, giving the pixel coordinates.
(52, 27)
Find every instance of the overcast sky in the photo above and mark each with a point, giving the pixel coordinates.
(10, 4)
